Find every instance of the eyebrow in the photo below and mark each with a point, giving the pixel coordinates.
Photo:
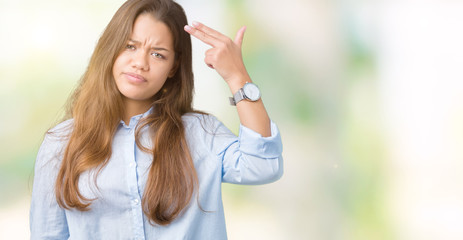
(154, 48)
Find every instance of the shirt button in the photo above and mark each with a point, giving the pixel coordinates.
(135, 201)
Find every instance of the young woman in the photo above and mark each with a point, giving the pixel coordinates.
(134, 160)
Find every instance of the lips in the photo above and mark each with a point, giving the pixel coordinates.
(134, 78)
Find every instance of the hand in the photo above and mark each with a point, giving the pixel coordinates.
(225, 55)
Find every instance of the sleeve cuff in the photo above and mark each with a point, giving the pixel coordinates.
(253, 143)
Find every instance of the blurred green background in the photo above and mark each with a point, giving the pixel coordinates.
(367, 96)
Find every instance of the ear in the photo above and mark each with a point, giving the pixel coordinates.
(174, 68)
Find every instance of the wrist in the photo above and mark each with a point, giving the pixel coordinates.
(249, 92)
(237, 82)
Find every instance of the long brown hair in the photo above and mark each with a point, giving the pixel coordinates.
(96, 108)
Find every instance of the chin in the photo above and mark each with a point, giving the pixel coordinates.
(137, 96)
(134, 96)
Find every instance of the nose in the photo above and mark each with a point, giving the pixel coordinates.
(140, 61)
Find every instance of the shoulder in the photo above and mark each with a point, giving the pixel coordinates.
(60, 131)
(196, 120)
(54, 142)
(204, 126)
(57, 136)
(205, 131)
(63, 127)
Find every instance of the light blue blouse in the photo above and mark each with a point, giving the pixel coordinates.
(218, 155)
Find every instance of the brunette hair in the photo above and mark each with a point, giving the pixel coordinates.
(96, 107)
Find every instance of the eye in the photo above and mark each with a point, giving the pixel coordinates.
(131, 47)
(157, 55)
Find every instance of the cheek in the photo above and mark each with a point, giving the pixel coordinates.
(161, 72)
(117, 66)
(116, 72)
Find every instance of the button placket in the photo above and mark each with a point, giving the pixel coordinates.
(131, 161)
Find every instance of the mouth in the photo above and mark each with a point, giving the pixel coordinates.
(135, 78)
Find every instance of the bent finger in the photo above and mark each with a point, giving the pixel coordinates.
(208, 61)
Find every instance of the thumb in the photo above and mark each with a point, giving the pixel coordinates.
(239, 36)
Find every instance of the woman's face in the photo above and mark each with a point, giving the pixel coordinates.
(146, 62)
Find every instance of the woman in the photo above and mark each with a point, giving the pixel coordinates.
(134, 160)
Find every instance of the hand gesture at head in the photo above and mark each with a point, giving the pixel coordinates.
(225, 55)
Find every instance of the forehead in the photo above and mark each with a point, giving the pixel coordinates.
(149, 30)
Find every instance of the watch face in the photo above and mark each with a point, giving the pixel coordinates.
(251, 91)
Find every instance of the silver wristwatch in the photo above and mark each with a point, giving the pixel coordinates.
(249, 91)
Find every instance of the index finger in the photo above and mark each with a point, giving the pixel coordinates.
(209, 31)
(201, 35)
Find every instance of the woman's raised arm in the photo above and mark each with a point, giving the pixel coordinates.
(226, 58)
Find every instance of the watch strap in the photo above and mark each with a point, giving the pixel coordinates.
(237, 97)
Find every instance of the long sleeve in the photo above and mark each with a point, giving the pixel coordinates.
(47, 218)
(249, 158)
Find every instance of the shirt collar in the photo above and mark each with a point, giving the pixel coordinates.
(135, 119)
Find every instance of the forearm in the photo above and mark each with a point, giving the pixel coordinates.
(252, 114)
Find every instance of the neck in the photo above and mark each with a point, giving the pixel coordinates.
(133, 108)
